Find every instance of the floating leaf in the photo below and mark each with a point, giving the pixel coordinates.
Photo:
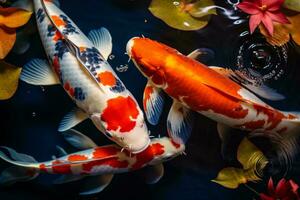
(253, 162)
(183, 15)
(14, 17)
(249, 155)
(292, 5)
(203, 8)
(7, 40)
(282, 32)
(231, 177)
(9, 78)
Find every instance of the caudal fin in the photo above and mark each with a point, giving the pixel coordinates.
(23, 169)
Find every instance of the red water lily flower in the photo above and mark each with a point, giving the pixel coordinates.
(263, 11)
(285, 190)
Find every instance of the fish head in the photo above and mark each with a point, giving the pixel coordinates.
(136, 140)
(165, 149)
(123, 122)
(149, 57)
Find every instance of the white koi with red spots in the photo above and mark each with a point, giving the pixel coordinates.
(80, 65)
(97, 161)
(206, 90)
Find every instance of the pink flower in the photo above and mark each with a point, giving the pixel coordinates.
(263, 11)
(285, 190)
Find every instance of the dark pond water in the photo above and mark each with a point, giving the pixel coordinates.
(30, 119)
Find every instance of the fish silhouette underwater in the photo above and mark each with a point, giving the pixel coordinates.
(79, 64)
(97, 164)
(220, 94)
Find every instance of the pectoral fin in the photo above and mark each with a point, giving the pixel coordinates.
(153, 102)
(260, 89)
(180, 122)
(68, 178)
(78, 140)
(73, 118)
(102, 40)
(96, 184)
(38, 72)
(153, 173)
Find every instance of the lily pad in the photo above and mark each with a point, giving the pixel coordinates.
(231, 177)
(183, 15)
(14, 17)
(292, 5)
(8, 38)
(9, 79)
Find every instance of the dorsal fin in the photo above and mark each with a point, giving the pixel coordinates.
(78, 44)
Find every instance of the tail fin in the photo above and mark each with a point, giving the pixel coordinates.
(24, 167)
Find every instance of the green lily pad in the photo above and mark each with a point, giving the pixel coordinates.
(203, 8)
(183, 15)
(292, 5)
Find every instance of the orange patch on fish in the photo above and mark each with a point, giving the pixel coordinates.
(75, 157)
(120, 114)
(56, 66)
(274, 117)
(43, 167)
(253, 124)
(82, 49)
(59, 167)
(101, 152)
(144, 157)
(176, 145)
(57, 36)
(107, 79)
(58, 21)
(147, 94)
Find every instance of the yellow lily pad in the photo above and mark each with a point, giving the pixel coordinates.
(183, 15)
(231, 177)
(253, 162)
(292, 5)
(203, 8)
(14, 17)
(9, 79)
(7, 41)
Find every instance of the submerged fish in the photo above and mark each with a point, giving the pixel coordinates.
(79, 64)
(206, 90)
(98, 164)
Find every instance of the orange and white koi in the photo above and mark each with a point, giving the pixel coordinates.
(79, 64)
(96, 163)
(206, 90)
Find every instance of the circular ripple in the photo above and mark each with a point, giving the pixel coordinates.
(259, 60)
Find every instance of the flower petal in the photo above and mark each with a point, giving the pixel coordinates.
(248, 7)
(273, 5)
(254, 21)
(294, 186)
(282, 188)
(7, 41)
(278, 17)
(265, 197)
(267, 21)
(271, 186)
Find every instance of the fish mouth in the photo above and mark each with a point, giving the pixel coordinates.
(141, 149)
(129, 46)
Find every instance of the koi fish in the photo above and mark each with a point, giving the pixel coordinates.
(96, 164)
(79, 64)
(210, 91)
